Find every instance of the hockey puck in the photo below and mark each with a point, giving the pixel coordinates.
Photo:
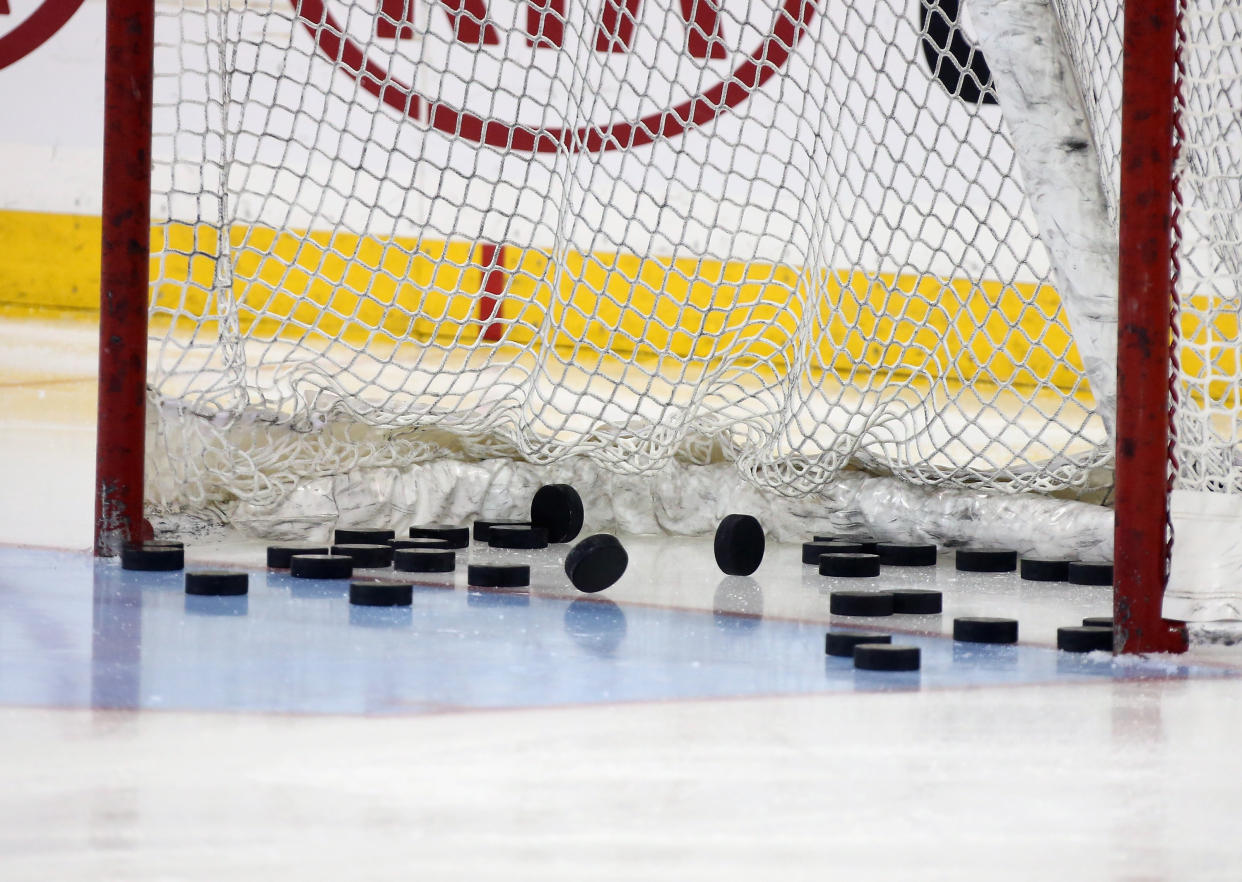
(739, 545)
(812, 551)
(517, 537)
(841, 644)
(216, 583)
(982, 629)
(861, 603)
(422, 560)
(361, 536)
(481, 528)
(376, 593)
(986, 560)
(1037, 569)
(1085, 639)
(849, 565)
(917, 602)
(420, 544)
(278, 555)
(1083, 572)
(321, 566)
(1097, 622)
(896, 554)
(153, 556)
(886, 657)
(596, 563)
(498, 575)
(868, 545)
(456, 537)
(557, 508)
(366, 555)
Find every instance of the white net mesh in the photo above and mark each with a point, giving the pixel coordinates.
(1206, 501)
(791, 236)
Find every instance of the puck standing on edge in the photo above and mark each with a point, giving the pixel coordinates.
(596, 563)
(217, 583)
(739, 545)
(557, 508)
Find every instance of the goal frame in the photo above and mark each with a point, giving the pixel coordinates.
(1142, 540)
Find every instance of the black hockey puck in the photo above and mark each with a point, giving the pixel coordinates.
(982, 629)
(361, 536)
(498, 575)
(421, 544)
(896, 554)
(481, 528)
(422, 560)
(739, 545)
(841, 644)
(850, 565)
(868, 544)
(377, 593)
(321, 566)
(986, 560)
(1084, 572)
(1042, 569)
(886, 657)
(366, 555)
(456, 537)
(596, 563)
(557, 508)
(278, 555)
(517, 537)
(917, 602)
(1085, 639)
(216, 583)
(1098, 622)
(861, 603)
(812, 551)
(153, 556)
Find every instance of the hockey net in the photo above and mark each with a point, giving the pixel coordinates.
(412, 259)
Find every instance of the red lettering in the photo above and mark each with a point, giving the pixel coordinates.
(468, 19)
(545, 23)
(4, 7)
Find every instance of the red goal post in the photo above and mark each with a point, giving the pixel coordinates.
(1145, 299)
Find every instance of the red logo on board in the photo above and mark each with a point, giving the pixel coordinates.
(35, 30)
(544, 28)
